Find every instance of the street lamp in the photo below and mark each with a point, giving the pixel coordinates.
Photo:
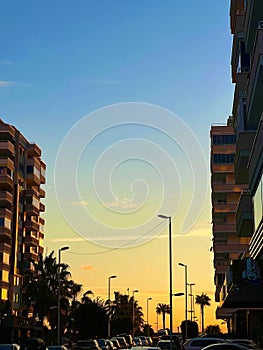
(170, 277)
(109, 318)
(134, 291)
(192, 311)
(59, 307)
(185, 270)
(148, 316)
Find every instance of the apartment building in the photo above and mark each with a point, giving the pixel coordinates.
(22, 173)
(241, 302)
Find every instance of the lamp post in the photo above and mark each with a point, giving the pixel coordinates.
(192, 300)
(59, 306)
(134, 291)
(109, 318)
(186, 311)
(170, 277)
(148, 316)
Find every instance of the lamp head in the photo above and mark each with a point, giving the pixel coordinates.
(178, 294)
(164, 216)
(64, 248)
(113, 276)
(181, 264)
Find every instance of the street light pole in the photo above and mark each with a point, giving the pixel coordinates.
(186, 297)
(170, 277)
(134, 291)
(192, 299)
(109, 301)
(59, 306)
(148, 333)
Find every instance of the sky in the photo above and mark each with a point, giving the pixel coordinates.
(120, 96)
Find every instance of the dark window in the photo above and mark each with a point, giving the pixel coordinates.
(224, 139)
(29, 169)
(224, 158)
(2, 222)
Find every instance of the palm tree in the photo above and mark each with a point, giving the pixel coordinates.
(163, 309)
(203, 300)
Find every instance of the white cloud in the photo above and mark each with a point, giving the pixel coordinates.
(8, 63)
(5, 83)
(81, 203)
(122, 204)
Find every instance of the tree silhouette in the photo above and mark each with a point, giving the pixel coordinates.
(203, 300)
(163, 309)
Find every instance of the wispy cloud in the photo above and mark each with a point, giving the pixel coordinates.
(67, 239)
(7, 63)
(102, 81)
(81, 203)
(5, 83)
(122, 204)
(87, 267)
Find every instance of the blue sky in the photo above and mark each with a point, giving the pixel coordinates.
(61, 60)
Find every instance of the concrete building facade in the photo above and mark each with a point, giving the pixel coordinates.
(22, 174)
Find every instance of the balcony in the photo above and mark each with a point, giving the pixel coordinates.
(222, 187)
(222, 168)
(6, 213)
(244, 217)
(224, 149)
(7, 149)
(7, 132)
(5, 235)
(224, 227)
(255, 84)
(256, 158)
(7, 162)
(241, 84)
(31, 225)
(31, 209)
(229, 248)
(33, 150)
(42, 207)
(236, 7)
(42, 193)
(244, 145)
(5, 248)
(6, 199)
(253, 14)
(224, 207)
(32, 241)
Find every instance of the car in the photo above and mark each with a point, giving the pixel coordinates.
(165, 344)
(90, 344)
(122, 342)
(200, 343)
(225, 346)
(174, 338)
(110, 344)
(137, 341)
(13, 346)
(249, 343)
(56, 347)
(116, 343)
(34, 344)
(102, 344)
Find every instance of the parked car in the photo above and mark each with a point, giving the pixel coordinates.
(175, 339)
(111, 345)
(122, 342)
(9, 346)
(56, 347)
(102, 344)
(116, 343)
(137, 341)
(34, 344)
(200, 343)
(91, 344)
(249, 343)
(165, 344)
(225, 346)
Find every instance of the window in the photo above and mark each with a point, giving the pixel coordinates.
(29, 169)
(4, 294)
(224, 158)
(224, 139)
